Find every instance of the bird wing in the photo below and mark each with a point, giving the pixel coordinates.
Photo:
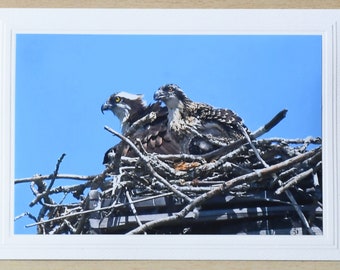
(224, 122)
(153, 137)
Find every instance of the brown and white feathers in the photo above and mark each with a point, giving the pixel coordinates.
(200, 127)
(151, 136)
(127, 107)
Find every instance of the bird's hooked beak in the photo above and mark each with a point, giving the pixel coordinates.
(106, 106)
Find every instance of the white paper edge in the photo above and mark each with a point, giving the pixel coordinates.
(133, 21)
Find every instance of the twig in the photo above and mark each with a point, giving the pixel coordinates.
(69, 225)
(45, 193)
(309, 140)
(294, 180)
(24, 215)
(49, 177)
(121, 147)
(260, 174)
(272, 123)
(267, 127)
(183, 157)
(256, 152)
(55, 173)
(133, 209)
(100, 209)
(287, 192)
(146, 162)
(299, 211)
(242, 171)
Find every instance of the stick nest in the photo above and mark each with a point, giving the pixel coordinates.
(252, 186)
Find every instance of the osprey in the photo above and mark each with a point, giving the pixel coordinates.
(127, 107)
(200, 127)
(152, 136)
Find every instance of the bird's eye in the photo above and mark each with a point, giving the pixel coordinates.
(118, 99)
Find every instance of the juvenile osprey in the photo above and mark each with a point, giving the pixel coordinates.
(152, 135)
(200, 127)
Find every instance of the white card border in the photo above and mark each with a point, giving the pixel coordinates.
(206, 247)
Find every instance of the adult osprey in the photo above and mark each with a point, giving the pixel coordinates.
(199, 127)
(127, 107)
(152, 135)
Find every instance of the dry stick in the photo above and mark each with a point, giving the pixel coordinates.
(195, 189)
(133, 209)
(272, 123)
(294, 180)
(68, 206)
(309, 140)
(100, 177)
(222, 161)
(149, 118)
(262, 173)
(184, 157)
(95, 183)
(146, 119)
(54, 175)
(28, 214)
(147, 164)
(225, 149)
(43, 192)
(51, 176)
(41, 187)
(257, 154)
(60, 228)
(82, 219)
(68, 189)
(297, 178)
(69, 225)
(166, 169)
(115, 197)
(100, 209)
(299, 211)
(288, 193)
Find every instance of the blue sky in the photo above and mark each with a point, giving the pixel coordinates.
(62, 80)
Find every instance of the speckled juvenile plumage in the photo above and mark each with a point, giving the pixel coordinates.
(200, 127)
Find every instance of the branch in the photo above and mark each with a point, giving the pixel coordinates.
(132, 207)
(132, 129)
(146, 162)
(297, 178)
(242, 171)
(258, 175)
(24, 215)
(118, 205)
(267, 127)
(55, 173)
(287, 192)
(50, 177)
(45, 193)
(272, 123)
